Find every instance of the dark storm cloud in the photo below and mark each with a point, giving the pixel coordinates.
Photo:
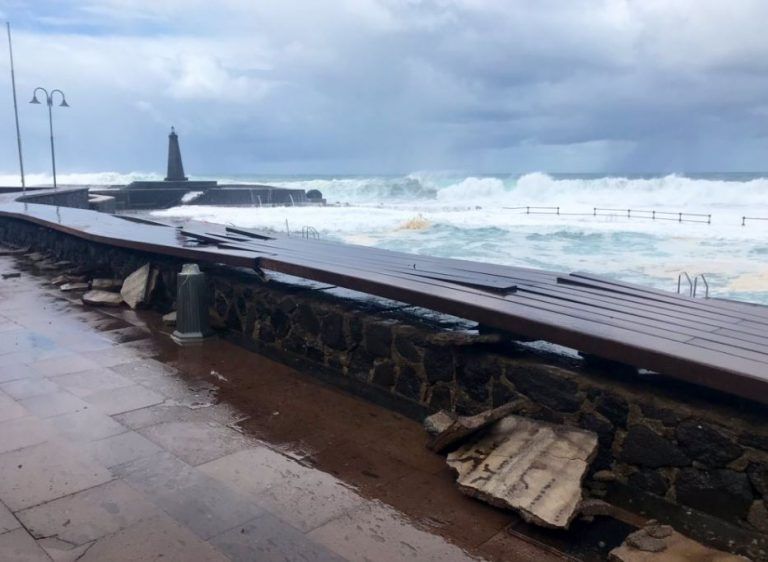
(396, 85)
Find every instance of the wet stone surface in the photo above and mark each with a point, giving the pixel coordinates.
(116, 444)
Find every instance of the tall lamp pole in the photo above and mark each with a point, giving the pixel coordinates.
(16, 108)
(49, 103)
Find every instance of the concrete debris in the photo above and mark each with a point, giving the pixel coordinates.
(138, 286)
(67, 278)
(67, 287)
(36, 256)
(102, 298)
(641, 540)
(445, 429)
(642, 546)
(106, 284)
(170, 319)
(533, 467)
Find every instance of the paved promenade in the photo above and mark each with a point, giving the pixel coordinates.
(115, 444)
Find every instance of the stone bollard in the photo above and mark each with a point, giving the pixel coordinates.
(191, 306)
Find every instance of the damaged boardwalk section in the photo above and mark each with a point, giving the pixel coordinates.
(718, 344)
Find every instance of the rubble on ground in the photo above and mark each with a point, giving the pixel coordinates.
(103, 284)
(68, 287)
(170, 319)
(533, 467)
(139, 285)
(102, 298)
(446, 429)
(661, 543)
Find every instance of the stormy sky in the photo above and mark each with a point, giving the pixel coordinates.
(392, 86)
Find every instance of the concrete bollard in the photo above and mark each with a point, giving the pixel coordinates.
(191, 306)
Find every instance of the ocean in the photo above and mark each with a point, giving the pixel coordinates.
(484, 218)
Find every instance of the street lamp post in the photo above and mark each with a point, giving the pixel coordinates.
(49, 103)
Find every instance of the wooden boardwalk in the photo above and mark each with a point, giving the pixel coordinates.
(718, 344)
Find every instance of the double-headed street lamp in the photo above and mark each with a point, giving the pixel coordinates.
(49, 102)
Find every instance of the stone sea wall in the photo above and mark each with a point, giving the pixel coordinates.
(666, 447)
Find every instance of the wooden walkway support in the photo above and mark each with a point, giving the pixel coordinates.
(719, 344)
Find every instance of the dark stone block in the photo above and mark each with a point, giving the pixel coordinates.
(221, 305)
(440, 398)
(266, 333)
(543, 388)
(721, 492)
(242, 306)
(233, 321)
(378, 339)
(758, 475)
(384, 374)
(407, 349)
(613, 407)
(281, 323)
(356, 329)
(438, 364)
(664, 415)
(644, 447)
(704, 443)
(306, 319)
(314, 354)
(333, 331)
(650, 481)
(408, 382)
(360, 362)
(475, 377)
(288, 305)
(755, 440)
(502, 394)
(601, 426)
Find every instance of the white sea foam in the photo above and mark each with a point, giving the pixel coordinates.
(469, 217)
(85, 178)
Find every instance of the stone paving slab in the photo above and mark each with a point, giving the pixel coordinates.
(46, 472)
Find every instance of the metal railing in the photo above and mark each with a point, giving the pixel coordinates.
(745, 219)
(651, 214)
(654, 215)
(310, 232)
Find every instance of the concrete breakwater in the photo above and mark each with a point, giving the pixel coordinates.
(669, 449)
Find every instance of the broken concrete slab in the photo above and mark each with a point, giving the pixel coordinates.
(535, 468)
(102, 298)
(136, 287)
(445, 429)
(67, 287)
(103, 284)
(677, 548)
(67, 278)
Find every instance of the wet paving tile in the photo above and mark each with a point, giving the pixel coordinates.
(64, 365)
(9, 408)
(19, 546)
(86, 425)
(85, 383)
(54, 404)
(122, 448)
(159, 538)
(196, 500)
(302, 496)
(129, 334)
(7, 521)
(45, 472)
(110, 357)
(268, 539)
(124, 399)
(165, 412)
(196, 442)
(89, 515)
(378, 534)
(27, 387)
(15, 371)
(24, 432)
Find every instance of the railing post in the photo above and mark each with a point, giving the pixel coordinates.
(743, 221)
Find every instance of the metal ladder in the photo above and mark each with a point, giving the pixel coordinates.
(693, 285)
